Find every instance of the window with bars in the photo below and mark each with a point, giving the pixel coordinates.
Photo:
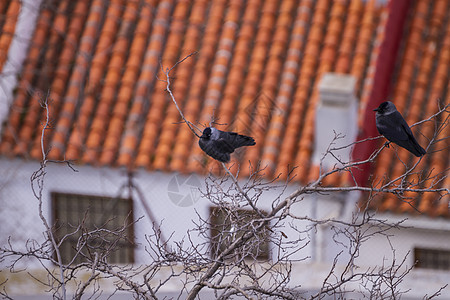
(93, 225)
(227, 225)
(432, 258)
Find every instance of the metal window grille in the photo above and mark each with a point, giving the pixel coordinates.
(93, 225)
(432, 258)
(228, 225)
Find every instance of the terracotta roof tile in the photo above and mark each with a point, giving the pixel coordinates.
(133, 127)
(50, 70)
(79, 73)
(10, 137)
(325, 64)
(299, 104)
(234, 84)
(106, 51)
(149, 144)
(3, 9)
(256, 71)
(366, 53)
(221, 61)
(349, 37)
(260, 46)
(421, 82)
(9, 12)
(265, 105)
(123, 68)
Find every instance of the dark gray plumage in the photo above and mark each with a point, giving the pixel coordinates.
(220, 144)
(393, 126)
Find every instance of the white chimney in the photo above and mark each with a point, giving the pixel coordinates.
(336, 113)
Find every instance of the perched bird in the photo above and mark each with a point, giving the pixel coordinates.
(219, 144)
(393, 126)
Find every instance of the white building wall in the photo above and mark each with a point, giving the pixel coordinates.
(20, 220)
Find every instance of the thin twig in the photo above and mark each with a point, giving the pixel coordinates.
(166, 72)
(39, 176)
(243, 193)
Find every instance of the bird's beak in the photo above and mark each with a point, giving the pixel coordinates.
(376, 109)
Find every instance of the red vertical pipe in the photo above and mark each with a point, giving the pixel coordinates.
(398, 11)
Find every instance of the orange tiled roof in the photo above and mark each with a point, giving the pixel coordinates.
(257, 70)
(9, 12)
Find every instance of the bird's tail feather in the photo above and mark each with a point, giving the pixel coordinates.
(419, 151)
(243, 140)
(414, 147)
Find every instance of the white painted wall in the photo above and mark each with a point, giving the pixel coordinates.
(21, 208)
(20, 220)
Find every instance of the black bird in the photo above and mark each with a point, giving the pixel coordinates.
(393, 126)
(219, 144)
